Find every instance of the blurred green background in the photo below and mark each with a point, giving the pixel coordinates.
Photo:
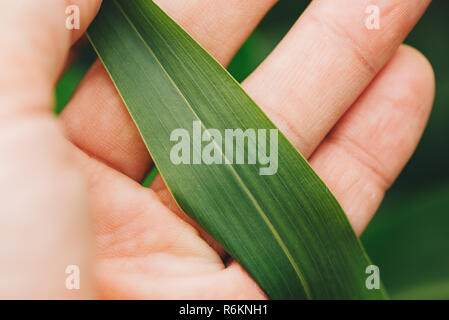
(409, 237)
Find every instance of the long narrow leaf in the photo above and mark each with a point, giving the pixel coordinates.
(286, 229)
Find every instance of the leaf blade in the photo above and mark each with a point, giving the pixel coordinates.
(182, 83)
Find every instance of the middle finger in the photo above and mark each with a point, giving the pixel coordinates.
(325, 62)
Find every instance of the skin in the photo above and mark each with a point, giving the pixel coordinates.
(353, 101)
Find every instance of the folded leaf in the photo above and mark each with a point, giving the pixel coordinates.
(282, 223)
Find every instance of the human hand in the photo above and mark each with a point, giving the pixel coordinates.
(351, 102)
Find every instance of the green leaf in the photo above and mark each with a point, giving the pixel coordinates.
(287, 229)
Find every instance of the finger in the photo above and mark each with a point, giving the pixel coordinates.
(96, 119)
(232, 283)
(35, 44)
(366, 151)
(220, 26)
(325, 62)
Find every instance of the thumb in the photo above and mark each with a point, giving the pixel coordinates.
(45, 228)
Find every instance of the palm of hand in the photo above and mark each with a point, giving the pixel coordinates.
(356, 121)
